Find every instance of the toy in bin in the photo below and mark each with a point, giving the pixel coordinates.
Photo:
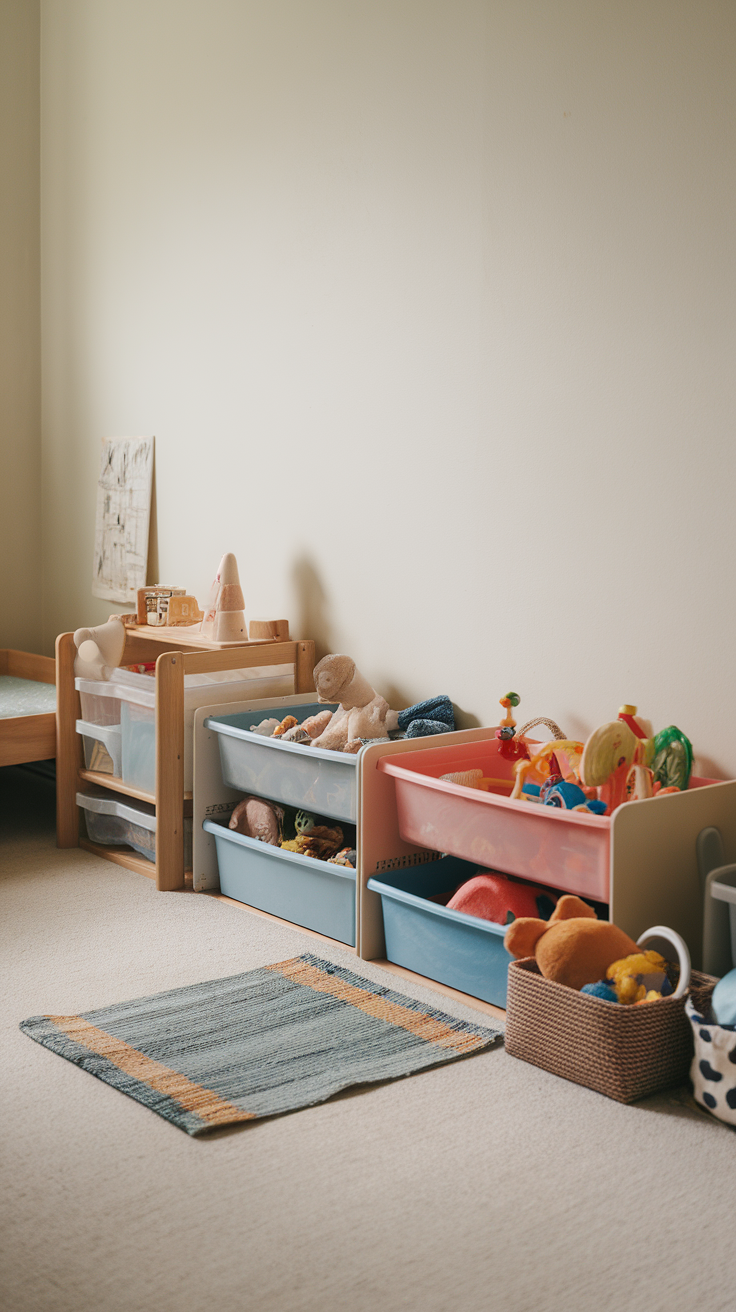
(362, 716)
(293, 830)
(593, 956)
(621, 761)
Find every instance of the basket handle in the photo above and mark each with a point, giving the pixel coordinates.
(680, 946)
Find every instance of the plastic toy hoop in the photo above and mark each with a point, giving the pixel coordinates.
(680, 946)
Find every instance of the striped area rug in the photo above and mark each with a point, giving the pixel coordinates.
(258, 1044)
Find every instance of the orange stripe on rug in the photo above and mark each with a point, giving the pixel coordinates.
(192, 1097)
(425, 1027)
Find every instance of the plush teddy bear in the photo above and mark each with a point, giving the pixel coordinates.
(573, 947)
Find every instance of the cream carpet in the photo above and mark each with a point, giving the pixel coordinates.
(486, 1184)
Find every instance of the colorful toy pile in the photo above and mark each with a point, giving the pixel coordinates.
(295, 831)
(622, 761)
(595, 957)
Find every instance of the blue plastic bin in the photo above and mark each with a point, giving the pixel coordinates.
(308, 777)
(307, 892)
(448, 946)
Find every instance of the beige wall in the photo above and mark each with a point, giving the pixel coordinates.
(20, 429)
(430, 306)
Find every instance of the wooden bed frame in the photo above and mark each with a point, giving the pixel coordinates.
(26, 738)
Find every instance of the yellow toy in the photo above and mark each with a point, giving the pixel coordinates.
(641, 977)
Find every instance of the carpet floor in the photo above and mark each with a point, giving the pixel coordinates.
(485, 1184)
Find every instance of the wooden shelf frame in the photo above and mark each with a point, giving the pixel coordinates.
(173, 662)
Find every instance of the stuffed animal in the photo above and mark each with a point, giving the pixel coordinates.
(573, 947)
(642, 977)
(492, 896)
(362, 712)
(256, 818)
(99, 650)
(320, 841)
(310, 728)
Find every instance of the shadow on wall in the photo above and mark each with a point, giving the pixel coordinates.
(312, 616)
(152, 566)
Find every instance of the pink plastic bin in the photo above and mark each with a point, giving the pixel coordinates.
(568, 850)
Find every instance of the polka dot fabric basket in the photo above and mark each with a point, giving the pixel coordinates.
(713, 1071)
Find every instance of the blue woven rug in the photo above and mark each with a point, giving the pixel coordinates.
(258, 1044)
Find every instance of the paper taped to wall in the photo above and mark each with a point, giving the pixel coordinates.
(123, 515)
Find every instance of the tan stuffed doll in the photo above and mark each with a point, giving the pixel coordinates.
(573, 947)
(362, 713)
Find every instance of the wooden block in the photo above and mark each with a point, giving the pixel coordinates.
(183, 610)
(278, 630)
(304, 677)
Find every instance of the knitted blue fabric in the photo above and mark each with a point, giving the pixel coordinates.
(422, 728)
(432, 711)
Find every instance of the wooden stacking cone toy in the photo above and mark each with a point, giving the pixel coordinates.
(230, 625)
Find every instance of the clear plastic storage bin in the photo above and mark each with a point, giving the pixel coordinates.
(102, 746)
(114, 822)
(309, 777)
(128, 700)
(100, 701)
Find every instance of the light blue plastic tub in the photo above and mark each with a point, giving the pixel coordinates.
(307, 892)
(306, 777)
(448, 946)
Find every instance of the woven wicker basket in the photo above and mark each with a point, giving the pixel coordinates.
(624, 1052)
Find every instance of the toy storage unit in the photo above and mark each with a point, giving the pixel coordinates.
(144, 730)
(300, 889)
(641, 861)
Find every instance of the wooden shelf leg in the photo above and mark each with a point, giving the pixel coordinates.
(68, 744)
(304, 682)
(170, 771)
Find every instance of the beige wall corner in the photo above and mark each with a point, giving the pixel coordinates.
(20, 402)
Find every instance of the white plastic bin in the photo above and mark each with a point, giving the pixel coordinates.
(102, 746)
(115, 822)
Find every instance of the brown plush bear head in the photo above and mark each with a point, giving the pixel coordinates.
(573, 947)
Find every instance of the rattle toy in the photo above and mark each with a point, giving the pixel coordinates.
(621, 761)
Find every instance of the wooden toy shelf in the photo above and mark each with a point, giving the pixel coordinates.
(176, 654)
